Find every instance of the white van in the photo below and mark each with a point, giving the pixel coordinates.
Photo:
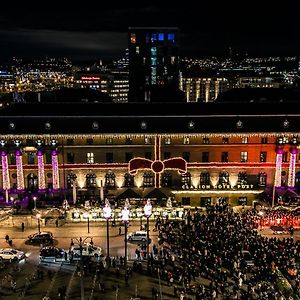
(138, 236)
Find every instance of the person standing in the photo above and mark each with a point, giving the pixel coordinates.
(120, 230)
(22, 226)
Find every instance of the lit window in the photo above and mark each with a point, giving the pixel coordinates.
(167, 141)
(263, 156)
(171, 37)
(90, 157)
(137, 50)
(186, 140)
(244, 140)
(244, 156)
(161, 36)
(153, 37)
(133, 38)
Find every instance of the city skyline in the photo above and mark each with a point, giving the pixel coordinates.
(87, 33)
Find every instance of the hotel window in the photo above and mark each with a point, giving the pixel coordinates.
(70, 158)
(148, 155)
(285, 156)
(30, 158)
(225, 140)
(205, 141)
(48, 156)
(223, 177)
(186, 156)
(263, 156)
(262, 179)
(148, 179)
(204, 178)
(161, 36)
(137, 50)
(244, 156)
(90, 158)
(186, 180)
(110, 179)
(128, 156)
(205, 156)
(109, 141)
(186, 140)
(109, 157)
(264, 140)
(167, 155)
(167, 141)
(245, 140)
(128, 180)
(147, 140)
(167, 180)
(171, 37)
(12, 158)
(242, 178)
(91, 180)
(153, 37)
(224, 157)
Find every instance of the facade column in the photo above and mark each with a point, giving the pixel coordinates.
(55, 170)
(5, 171)
(20, 174)
(41, 170)
(278, 167)
(292, 167)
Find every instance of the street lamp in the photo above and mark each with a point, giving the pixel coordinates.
(148, 213)
(107, 216)
(125, 219)
(34, 200)
(39, 225)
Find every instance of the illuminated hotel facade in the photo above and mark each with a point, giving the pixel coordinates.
(196, 153)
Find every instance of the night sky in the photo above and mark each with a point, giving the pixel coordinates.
(94, 30)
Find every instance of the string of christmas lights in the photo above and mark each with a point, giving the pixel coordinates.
(41, 171)
(20, 175)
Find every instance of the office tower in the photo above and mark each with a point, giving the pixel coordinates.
(153, 60)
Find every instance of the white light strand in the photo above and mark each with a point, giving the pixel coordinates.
(5, 173)
(291, 176)
(20, 175)
(277, 180)
(55, 172)
(41, 172)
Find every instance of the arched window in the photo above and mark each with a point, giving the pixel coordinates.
(167, 179)
(242, 178)
(148, 179)
(91, 180)
(204, 178)
(128, 180)
(224, 178)
(262, 179)
(110, 179)
(186, 180)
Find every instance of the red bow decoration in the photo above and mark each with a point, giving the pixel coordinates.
(157, 166)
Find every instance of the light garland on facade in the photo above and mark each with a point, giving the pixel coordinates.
(217, 192)
(5, 172)
(41, 171)
(20, 175)
(291, 175)
(55, 171)
(278, 168)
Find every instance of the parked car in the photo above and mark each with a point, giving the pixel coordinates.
(11, 254)
(87, 250)
(52, 253)
(44, 237)
(138, 236)
(248, 258)
(279, 230)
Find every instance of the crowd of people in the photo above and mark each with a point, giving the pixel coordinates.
(271, 217)
(208, 248)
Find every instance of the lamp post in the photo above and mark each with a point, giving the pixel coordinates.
(107, 216)
(34, 201)
(148, 213)
(125, 219)
(39, 225)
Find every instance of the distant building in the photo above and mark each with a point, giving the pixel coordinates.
(203, 89)
(153, 60)
(115, 84)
